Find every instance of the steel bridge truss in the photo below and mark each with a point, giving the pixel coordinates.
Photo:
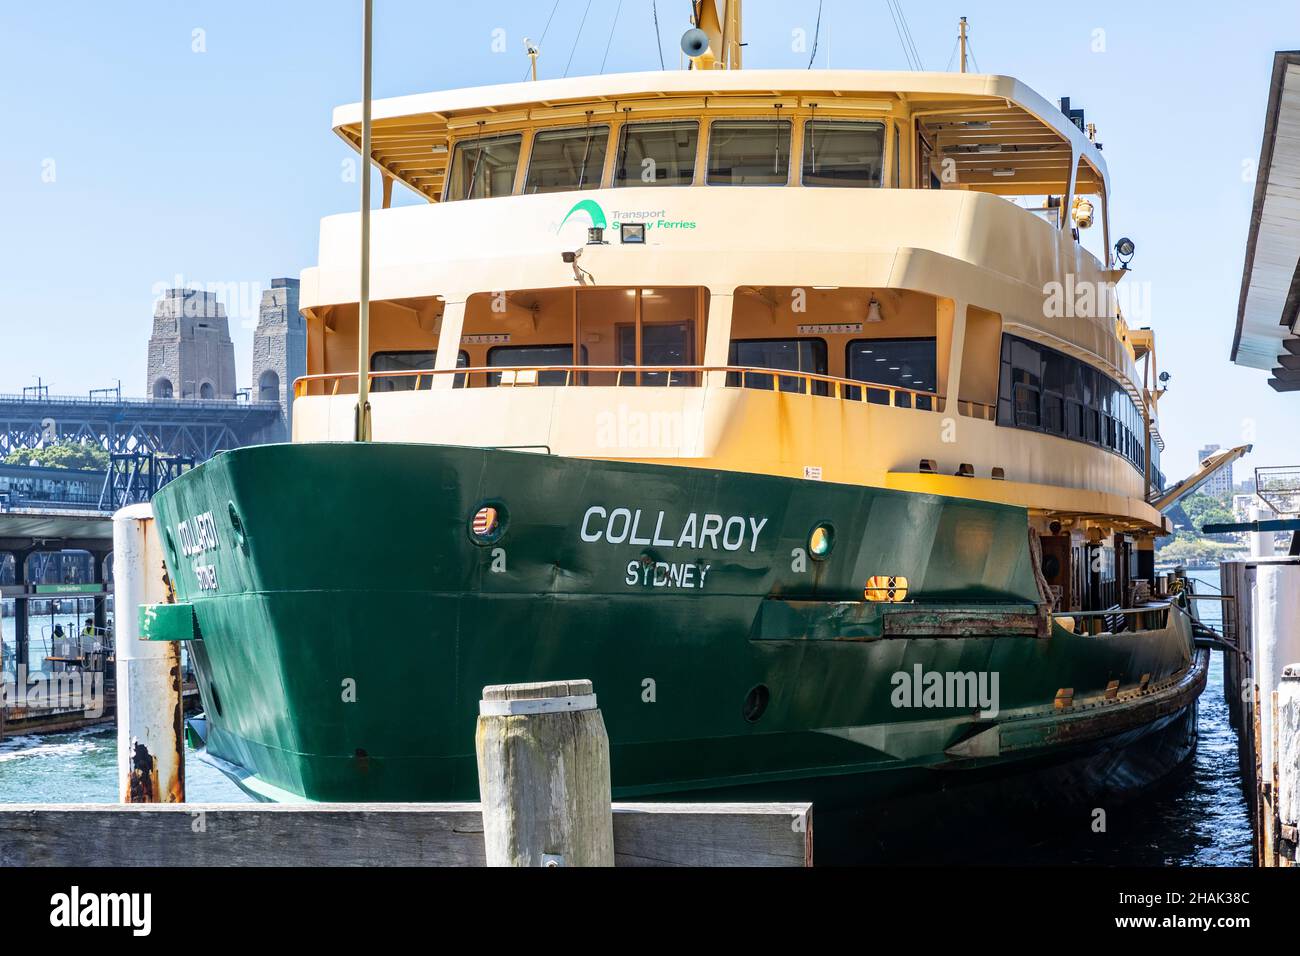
(182, 428)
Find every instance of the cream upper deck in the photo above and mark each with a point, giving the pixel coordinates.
(407, 129)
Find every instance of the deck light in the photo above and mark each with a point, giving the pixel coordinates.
(887, 588)
(873, 311)
(1124, 249)
(631, 232)
(595, 236)
(1003, 171)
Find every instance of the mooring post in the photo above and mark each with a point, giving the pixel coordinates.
(1275, 640)
(1288, 763)
(150, 742)
(543, 775)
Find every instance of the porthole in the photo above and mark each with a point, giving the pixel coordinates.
(487, 522)
(820, 541)
(756, 702)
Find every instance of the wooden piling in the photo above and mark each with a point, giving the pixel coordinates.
(543, 770)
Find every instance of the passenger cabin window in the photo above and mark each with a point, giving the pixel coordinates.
(657, 154)
(567, 159)
(484, 167)
(796, 355)
(1049, 391)
(514, 356)
(414, 360)
(902, 363)
(843, 153)
(749, 153)
(666, 343)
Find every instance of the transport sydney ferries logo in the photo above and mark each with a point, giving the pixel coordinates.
(587, 213)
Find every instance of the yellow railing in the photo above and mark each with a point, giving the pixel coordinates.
(736, 376)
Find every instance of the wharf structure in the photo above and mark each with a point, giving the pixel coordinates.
(1262, 593)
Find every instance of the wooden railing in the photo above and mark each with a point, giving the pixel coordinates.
(736, 376)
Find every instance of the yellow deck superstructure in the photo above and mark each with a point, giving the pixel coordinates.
(938, 251)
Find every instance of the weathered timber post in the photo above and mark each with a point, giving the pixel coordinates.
(543, 775)
(1288, 762)
(150, 742)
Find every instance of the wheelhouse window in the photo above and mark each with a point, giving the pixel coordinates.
(515, 356)
(795, 355)
(411, 361)
(483, 167)
(902, 363)
(843, 153)
(567, 159)
(657, 154)
(749, 153)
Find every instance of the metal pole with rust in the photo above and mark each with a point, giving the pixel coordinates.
(150, 741)
(543, 775)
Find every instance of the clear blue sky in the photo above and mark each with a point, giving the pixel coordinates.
(217, 166)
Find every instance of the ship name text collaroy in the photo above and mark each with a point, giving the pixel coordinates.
(656, 529)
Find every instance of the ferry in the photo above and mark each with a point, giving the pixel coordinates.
(747, 395)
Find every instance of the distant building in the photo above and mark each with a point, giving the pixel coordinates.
(1220, 483)
(190, 352)
(279, 352)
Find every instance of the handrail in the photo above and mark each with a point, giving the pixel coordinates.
(843, 388)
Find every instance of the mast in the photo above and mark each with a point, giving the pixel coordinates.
(720, 20)
(363, 313)
(961, 35)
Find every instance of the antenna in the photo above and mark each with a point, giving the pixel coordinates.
(533, 51)
(962, 40)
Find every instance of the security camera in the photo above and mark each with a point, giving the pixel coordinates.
(571, 257)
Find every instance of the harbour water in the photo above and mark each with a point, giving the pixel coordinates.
(1197, 818)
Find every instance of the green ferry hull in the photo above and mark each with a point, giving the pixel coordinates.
(349, 619)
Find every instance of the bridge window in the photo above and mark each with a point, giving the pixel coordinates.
(268, 387)
(796, 355)
(483, 167)
(657, 154)
(205, 390)
(843, 153)
(162, 388)
(565, 159)
(411, 361)
(749, 153)
(902, 363)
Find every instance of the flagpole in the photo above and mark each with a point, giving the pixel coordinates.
(363, 316)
